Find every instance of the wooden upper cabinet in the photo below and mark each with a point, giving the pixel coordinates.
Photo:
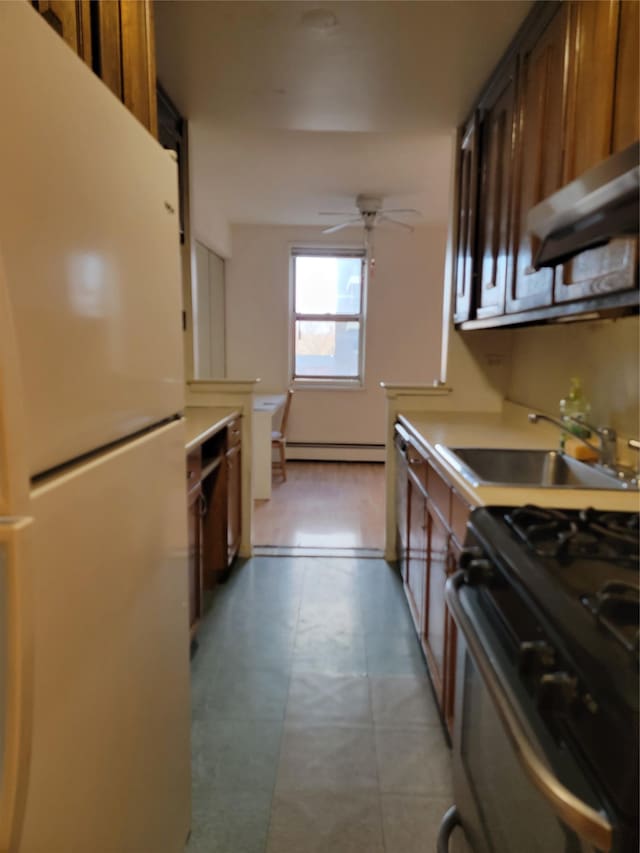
(71, 19)
(594, 77)
(108, 59)
(538, 157)
(139, 61)
(116, 39)
(591, 74)
(466, 225)
(495, 196)
(626, 121)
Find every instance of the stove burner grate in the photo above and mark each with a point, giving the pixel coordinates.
(588, 534)
(616, 606)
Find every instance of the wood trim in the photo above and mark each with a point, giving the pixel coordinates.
(138, 64)
(84, 31)
(108, 61)
(151, 68)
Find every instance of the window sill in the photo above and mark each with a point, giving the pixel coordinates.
(328, 384)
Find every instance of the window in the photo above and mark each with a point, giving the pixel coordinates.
(328, 315)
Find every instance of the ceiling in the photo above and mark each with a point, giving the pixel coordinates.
(296, 107)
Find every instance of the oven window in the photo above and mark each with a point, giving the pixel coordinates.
(512, 815)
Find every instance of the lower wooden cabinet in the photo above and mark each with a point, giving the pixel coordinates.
(233, 462)
(416, 566)
(402, 518)
(436, 526)
(214, 513)
(223, 494)
(194, 562)
(434, 627)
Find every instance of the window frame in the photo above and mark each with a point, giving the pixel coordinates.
(327, 382)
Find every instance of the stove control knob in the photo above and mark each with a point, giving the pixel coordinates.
(557, 692)
(472, 552)
(475, 565)
(479, 571)
(536, 657)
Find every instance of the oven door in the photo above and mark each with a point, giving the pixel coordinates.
(517, 790)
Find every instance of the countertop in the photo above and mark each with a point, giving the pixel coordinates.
(204, 421)
(509, 429)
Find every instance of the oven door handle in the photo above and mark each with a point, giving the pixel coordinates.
(588, 823)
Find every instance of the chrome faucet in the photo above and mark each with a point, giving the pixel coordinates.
(608, 437)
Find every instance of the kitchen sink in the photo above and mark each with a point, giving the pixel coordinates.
(484, 466)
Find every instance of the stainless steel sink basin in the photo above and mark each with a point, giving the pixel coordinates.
(533, 468)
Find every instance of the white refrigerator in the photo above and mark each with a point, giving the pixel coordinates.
(94, 638)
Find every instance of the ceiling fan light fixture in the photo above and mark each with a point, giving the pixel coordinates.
(371, 213)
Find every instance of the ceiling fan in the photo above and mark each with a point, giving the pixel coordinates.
(370, 213)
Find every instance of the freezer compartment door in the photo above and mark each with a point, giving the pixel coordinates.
(110, 766)
(90, 243)
(16, 674)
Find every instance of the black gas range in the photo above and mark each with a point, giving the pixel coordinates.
(555, 596)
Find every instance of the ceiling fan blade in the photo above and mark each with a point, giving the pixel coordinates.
(337, 213)
(401, 210)
(396, 223)
(341, 226)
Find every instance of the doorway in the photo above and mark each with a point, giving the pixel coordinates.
(324, 505)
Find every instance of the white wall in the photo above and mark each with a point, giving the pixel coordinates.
(604, 353)
(403, 331)
(207, 297)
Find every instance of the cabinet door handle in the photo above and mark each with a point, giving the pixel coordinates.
(203, 506)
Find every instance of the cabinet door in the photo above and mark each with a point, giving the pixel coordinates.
(538, 158)
(450, 642)
(233, 502)
(71, 19)
(496, 165)
(434, 628)
(591, 71)
(402, 510)
(415, 581)
(467, 202)
(591, 75)
(626, 121)
(139, 61)
(194, 562)
(108, 41)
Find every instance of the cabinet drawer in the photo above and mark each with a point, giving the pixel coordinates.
(440, 494)
(194, 469)
(459, 516)
(234, 433)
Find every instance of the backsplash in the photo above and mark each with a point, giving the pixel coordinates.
(604, 353)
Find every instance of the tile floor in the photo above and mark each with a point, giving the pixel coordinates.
(314, 727)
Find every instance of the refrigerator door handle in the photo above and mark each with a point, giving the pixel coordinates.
(16, 677)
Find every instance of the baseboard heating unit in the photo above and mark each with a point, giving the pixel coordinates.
(335, 452)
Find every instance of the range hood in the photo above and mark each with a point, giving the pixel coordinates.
(601, 204)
